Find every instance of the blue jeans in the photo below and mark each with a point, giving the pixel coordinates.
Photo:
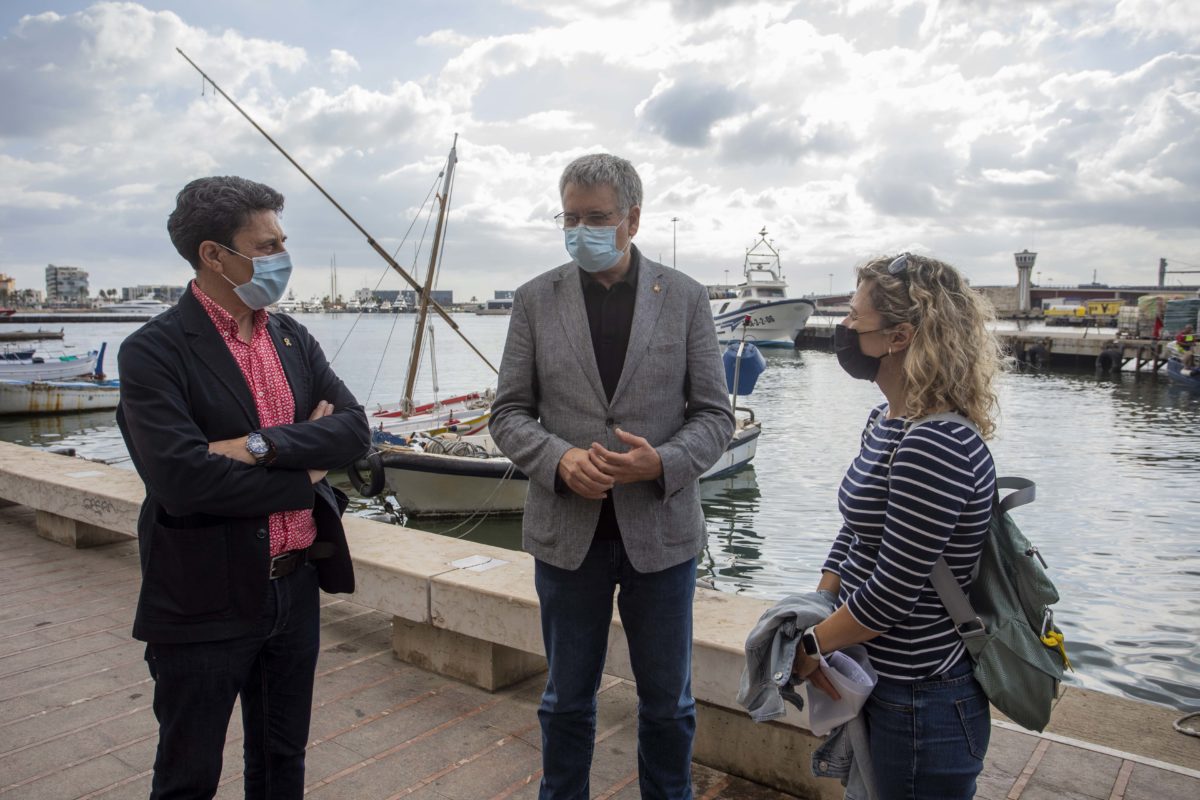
(928, 738)
(656, 612)
(271, 668)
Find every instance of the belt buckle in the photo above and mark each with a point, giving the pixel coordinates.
(278, 564)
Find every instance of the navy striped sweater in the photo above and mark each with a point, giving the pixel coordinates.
(903, 506)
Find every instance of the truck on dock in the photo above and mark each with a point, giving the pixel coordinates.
(1101, 313)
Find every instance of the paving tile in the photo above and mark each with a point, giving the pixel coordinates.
(1069, 769)
(78, 780)
(1148, 783)
(483, 777)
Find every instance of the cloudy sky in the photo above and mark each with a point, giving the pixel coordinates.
(848, 128)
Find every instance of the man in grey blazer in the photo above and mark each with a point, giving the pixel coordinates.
(612, 400)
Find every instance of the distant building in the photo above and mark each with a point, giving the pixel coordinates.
(167, 294)
(443, 297)
(387, 295)
(27, 298)
(66, 284)
(8, 288)
(505, 294)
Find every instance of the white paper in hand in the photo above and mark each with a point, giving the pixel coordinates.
(854, 681)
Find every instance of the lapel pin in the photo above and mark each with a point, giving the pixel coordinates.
(287, 342)
(657, 288)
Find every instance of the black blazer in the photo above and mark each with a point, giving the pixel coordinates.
(202, 530)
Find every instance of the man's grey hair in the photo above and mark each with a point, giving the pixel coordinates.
(603, 169)
(214, 209)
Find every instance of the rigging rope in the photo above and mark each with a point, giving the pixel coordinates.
(381, 277)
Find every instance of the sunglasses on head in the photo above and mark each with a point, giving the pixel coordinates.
(899, 265)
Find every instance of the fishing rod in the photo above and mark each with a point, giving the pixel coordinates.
(370, 240)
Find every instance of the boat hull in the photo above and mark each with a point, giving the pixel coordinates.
(775, 324)
(52, 369)
(57, 397)
(1177, 373)
(436, 485)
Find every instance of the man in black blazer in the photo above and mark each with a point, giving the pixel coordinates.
(233, 417)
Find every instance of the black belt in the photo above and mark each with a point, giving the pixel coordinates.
(285, 564)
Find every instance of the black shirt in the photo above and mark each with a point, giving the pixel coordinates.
(610, 316)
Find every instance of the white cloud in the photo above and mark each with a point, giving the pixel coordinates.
(847, 128)
(342, 63)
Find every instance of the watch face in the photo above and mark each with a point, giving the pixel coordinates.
(257, 445)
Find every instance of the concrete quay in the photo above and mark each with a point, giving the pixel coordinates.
(429, 677)
(1063, 347)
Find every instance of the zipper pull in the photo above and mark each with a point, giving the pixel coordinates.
(1033, 551)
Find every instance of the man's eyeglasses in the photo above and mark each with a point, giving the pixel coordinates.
(566, 221)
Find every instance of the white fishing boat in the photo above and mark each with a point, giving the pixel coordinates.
(27, 365)
(760, 303)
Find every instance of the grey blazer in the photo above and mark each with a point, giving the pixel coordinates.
(672, 392)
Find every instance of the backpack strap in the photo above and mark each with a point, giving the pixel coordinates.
(1024, 492)
(958, 605)
(966, 621)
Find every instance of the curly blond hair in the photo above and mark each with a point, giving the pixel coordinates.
(953, 358)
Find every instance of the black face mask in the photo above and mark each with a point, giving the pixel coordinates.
(850, 355)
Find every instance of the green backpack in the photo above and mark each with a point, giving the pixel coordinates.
(1006, 622)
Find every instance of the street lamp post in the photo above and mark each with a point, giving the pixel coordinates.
(673, 221)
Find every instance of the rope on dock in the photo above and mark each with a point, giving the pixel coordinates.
(486, 509)
(1186, 731)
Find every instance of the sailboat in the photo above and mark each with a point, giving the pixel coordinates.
(394, 425)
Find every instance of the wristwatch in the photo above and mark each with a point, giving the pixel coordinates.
(808, 640)
(261, 448)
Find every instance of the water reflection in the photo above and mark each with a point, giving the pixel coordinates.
(733, 553)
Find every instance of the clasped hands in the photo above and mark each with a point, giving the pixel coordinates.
(236, 448)
(593, 472)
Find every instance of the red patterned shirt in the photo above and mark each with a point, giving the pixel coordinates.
(259, 363)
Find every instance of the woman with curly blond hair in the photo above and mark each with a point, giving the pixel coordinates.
(918, 490)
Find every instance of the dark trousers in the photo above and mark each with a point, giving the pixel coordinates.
(656, 613)
(271, 669)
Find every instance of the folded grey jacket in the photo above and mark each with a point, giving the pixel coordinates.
(767, 682)
(771, 651)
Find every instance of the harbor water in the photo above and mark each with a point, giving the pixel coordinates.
(1116, 460)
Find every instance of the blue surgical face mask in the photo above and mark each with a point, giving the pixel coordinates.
(270, 278)
(594, 249)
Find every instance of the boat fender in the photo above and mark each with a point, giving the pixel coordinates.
(1108, 360)
(373, 485)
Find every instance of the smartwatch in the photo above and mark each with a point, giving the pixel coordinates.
(808, 640)
(261, 448)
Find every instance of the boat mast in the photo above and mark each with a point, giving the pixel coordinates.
(442, 199)
(445, 315)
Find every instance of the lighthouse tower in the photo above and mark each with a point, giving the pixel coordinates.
(1025, 261)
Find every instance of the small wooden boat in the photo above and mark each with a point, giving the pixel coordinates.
(57, 397)
(1178, 373)
(24, 365)
(84, 393)
(453, 475)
